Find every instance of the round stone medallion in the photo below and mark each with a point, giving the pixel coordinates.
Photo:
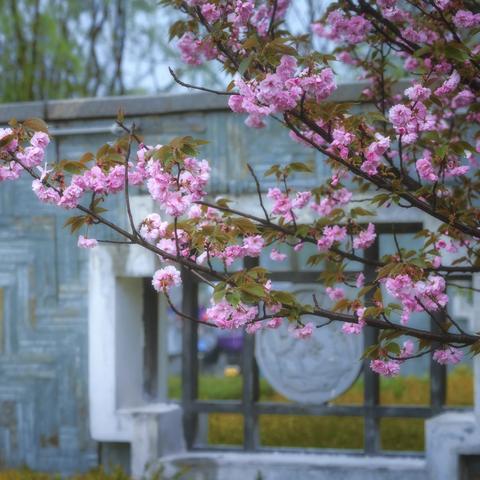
(313, 370)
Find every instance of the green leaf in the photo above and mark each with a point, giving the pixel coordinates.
(244, 64)
(120, 115)
(36, 124)
(455, 53)
(393, 348)
(282, 297)
(253, 289)
(273, 169)
(300, 167)
(361, 212)
(76, 222)
(6, 140)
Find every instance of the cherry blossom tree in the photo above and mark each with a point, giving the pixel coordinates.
(417, 149)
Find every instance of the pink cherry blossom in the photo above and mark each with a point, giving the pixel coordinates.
(400, 116)
(330, 236)
(386, 368)
(84, 242)
(152, 228)
(425, 167)
(335, 294)
(365, 238)
(253, 327)
(225, 316)
(352, 30)
(448, 356)
(276, 256)
(70, 197)
(449, 85)
(31, 156)
(253, 245)
(350, 328)
(466, 19)
(40, 140)
(418, 92)
(166, 278)
(302, 332)
(407, 350)
(44, 193)
(274, 322)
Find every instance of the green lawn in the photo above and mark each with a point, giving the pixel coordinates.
(307, 431)
(330, 432)
(26, 474)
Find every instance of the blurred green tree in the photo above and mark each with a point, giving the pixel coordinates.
(65, 48)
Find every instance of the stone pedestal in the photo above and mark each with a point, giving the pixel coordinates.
(451, 435)
(156, 432)
(448, 437)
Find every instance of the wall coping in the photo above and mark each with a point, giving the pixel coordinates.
(138, 105)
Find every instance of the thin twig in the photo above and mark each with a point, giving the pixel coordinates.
(196, 87)
(184, 315)
(259, 192)
(127, 195)
(271, 30)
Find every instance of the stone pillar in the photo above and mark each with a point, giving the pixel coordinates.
(451, 435)
(119, 409)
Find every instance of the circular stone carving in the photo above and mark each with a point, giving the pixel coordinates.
(313, 370)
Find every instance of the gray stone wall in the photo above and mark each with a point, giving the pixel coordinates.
(43, 296)
(43, 282)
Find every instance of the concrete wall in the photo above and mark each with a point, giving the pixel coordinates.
(44, 408)
(288, 466)
(43, 276)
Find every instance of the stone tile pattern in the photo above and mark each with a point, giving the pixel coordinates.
(43, 276)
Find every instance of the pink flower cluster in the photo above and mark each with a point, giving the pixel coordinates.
(239, 17)
(330, 235)
(335, 294)
(335, 199)
(466, 19)
(226, 316)
(306, 331)
(280, 91)
(425, 168)
(152, 228)
(94, 179)
(33, 155)
(84, 242)
(365, 238)
(284, 206)
(417, 296)
(391, 367)
(352, 29)
(409, 121)
(29, 157)
(373, 154)
(195, 51)
(449, 85)
(176, 191)
(261, 17)
(451, 167)
(350, 328)
(166, 278)
(448, 356)
(386, 368)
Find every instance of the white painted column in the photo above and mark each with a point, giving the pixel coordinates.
(118, 409)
